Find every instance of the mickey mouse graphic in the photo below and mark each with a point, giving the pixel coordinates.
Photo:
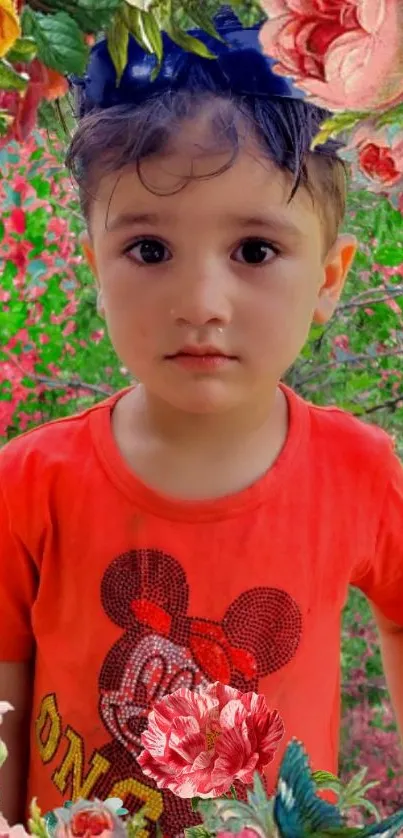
(162, 648)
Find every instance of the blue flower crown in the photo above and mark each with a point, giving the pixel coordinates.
(240, 68)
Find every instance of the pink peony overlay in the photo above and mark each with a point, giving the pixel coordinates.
(7, 831)
(199, 743)
(347, 54)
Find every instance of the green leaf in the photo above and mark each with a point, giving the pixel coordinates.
(23, 51)
(36, 823)
(336, 124)
(389, 255)
(153, 34)
(197, 832)
(393, 116)
(135, 24)
(4, 123)
(325, 781)
(91, 15)
(59, 40)
(10, 79)
(118, 42)
(202, 19)
(3, 752)
(42, 187)
(189, 43)
(194, 804)
(370, 807)
(136, 824)
(249, 12)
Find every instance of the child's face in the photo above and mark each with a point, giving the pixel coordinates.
(225, 264)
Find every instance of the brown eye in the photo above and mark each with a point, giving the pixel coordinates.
(255, 252)
(149, 252)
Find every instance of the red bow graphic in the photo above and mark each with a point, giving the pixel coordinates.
(207, 642)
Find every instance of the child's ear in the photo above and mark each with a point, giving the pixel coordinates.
(89, 254)
(337, 265)
(88, 250)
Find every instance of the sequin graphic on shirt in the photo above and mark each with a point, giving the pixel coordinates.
(162, 648)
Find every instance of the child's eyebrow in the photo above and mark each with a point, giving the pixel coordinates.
(272, 222)
(130, 219)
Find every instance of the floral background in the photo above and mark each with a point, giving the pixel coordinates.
(55, 357)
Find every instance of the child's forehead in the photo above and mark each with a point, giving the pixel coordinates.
(203, 187)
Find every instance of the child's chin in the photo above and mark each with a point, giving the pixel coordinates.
(205, 398)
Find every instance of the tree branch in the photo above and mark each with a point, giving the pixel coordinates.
(354, 359)
(56, 383)
(390, 404)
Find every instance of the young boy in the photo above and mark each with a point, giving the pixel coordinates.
(205, 524)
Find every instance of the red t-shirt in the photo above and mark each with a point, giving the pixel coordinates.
(124, 595)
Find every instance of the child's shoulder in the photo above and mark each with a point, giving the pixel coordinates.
(346, 435)
(61, 440)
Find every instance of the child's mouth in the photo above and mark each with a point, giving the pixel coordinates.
(201, 358)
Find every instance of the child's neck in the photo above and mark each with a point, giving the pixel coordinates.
(197, 456)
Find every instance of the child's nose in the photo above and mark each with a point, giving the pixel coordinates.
(204, 296)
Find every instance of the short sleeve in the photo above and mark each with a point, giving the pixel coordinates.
(17, 585)
(382, 579)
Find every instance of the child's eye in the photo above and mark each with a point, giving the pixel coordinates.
(149, 251)
(255, 252)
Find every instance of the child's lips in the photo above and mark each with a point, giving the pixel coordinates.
(201, 358)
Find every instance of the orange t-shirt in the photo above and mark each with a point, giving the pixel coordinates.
(124, 595)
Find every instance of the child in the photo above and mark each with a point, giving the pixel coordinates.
(204, 525)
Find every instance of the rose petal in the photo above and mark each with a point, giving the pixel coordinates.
(371, 15)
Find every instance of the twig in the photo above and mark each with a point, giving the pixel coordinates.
(365, 298)
(354, 359)
(56, 383)
(388, 405)
(76, 385)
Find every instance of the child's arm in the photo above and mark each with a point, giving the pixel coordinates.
(391, 641)
(382, 580)
(17, 650)
(16, 688)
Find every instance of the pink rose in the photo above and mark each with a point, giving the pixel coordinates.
(347, 54)
(88, 820)
(198, 743)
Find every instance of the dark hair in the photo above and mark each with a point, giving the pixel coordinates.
(111, 139)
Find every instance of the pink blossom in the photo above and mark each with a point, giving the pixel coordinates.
(344, 53)
(21, 185)
(244, 833)
(198, 743)
(17, 221)
(7, 831)
(97, 335)
(69, 328)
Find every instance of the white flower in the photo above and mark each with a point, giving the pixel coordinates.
(4, 708)
(143, 5)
